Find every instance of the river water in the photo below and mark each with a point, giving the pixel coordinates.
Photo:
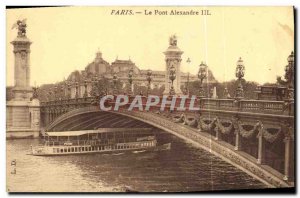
(181, 169)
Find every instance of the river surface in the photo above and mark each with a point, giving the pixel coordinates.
(181, 169)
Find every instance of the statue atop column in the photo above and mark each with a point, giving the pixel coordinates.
(22, 89)
(173, 40)
(24, 109)
(173, 59)
(21, 26)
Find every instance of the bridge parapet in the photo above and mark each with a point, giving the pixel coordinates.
(257, 106)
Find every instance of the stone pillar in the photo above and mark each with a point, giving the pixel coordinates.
(238, 144)
(238, 140)
(288, 157)
(173, 58)
(22, 89)
(34, 109)
(217, 133)
(261, 147)
(287, 148)
(23, 112)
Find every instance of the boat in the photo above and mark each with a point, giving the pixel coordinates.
(94, 141)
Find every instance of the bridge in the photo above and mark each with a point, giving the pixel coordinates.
(256, 136)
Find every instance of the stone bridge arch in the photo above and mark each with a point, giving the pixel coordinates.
(89, 118)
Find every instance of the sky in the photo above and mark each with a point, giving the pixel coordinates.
(66, 39)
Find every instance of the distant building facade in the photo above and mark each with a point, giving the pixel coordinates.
(100, 68)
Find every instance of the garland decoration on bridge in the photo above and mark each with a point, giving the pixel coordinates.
(167, 114)
(207, 127)
(247, 134)
(269, 137)
(179, 119)
(190, 122)
(157, 112)
(223, 129)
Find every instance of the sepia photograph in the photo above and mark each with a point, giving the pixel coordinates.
(150, 99)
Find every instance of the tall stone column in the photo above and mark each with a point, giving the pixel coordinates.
(288, 152)
(261, 149)
(173, 58)
(23, 111)
(22, 89)
(238, 138)
(261, 145)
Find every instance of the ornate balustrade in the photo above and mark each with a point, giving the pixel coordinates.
(257, 106)
(209, 103)
(262, 106)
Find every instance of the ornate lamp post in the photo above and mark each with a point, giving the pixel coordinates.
(239, 73)
(149, 79)
(289, 70)
(115, 80)
(172, 77)
(76, 89)
(226, 93)
(65, 92)
(69, 90)
(130, 75)
(188, 77)
(50, 95)
(93, 92)
(85, 95)
(202, 73)
(289, 75)
(55, 92)
(61, 92)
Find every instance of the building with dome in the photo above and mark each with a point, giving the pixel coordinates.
(100, 68)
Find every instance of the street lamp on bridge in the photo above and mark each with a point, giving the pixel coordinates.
(76, 89)
(149, 79)
(50, 94)
(289, 70)
(188, 77)
(172, 77)
(61, 91)
(202, 74)
(130, 75)
(65, 94)
(55, 93)
(115, 80)
(289, 77)
(69, 90)
(85, 95)
(239, 73)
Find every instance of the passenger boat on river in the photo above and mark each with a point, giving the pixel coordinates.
(96, 141)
